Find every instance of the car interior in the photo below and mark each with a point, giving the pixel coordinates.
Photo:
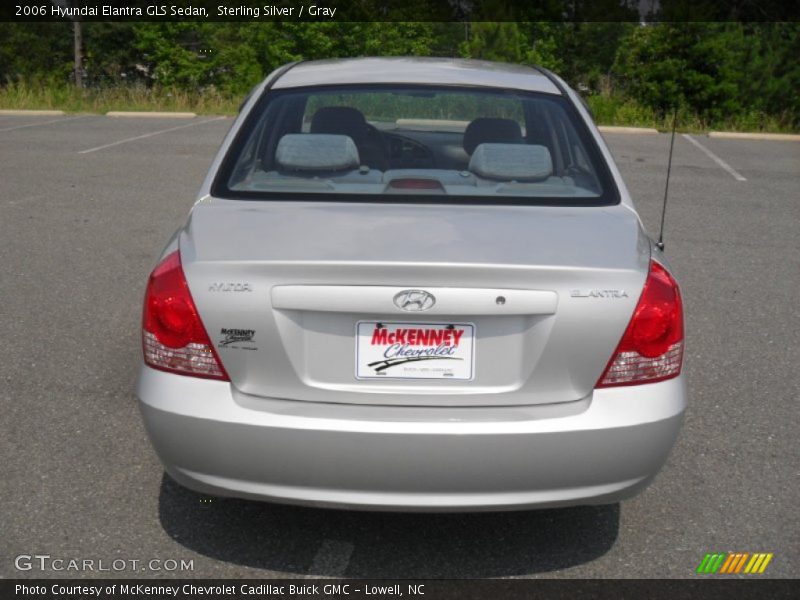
(335, 148)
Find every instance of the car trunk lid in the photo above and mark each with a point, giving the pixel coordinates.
(541, 295)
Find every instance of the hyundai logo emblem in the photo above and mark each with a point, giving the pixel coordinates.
(414, 300)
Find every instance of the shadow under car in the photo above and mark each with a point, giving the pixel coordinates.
(386, 544)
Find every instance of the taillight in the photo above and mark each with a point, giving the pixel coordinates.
(652, 347)
(173, 337)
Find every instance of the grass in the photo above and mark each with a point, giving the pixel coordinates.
(607, 109)
(123, 97)
(614, 110)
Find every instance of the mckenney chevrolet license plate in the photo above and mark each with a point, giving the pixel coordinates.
(414, 350)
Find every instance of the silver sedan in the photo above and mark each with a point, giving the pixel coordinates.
(413, 284)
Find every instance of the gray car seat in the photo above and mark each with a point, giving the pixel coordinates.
(345, 120)
(487, 130)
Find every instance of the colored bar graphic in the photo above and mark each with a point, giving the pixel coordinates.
(714, 566)
(711, 563)
(729, 562)
(764, 564)
(703, 564)
(740, 564)
(751, 564)
(732, 563)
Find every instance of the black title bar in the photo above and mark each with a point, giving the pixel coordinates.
(397, 10)
(422, 589)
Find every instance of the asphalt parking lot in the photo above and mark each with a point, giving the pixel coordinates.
(86, 204)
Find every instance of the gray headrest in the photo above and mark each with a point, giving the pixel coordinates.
(340, 120)
(316, 152)
(519, 162)
(485, 130)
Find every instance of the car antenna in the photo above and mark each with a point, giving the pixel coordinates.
(660, 242)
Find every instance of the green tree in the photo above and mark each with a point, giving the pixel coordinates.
(172, 53)
(110, 53)
(503, 42)
(683, 65)
(35, 51)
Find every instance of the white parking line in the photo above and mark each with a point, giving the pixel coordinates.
(146, 135)
(332, 558)
(736, 175)
(45, 123)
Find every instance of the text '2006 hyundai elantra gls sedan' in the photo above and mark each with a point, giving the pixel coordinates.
(413, 284)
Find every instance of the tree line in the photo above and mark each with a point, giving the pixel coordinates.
(713, 70)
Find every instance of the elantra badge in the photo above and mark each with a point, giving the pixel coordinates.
(414, 300)
(598, 294)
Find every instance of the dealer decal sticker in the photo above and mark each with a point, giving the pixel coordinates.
(241, 339)
(414, 350)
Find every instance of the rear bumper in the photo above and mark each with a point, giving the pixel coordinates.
(599, 450)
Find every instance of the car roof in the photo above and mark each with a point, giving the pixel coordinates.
(416, 70)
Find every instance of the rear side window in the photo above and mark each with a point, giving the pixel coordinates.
(391, 143)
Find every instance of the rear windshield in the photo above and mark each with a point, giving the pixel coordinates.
(375, 143)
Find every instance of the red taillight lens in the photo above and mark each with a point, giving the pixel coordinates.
(652, 347)
(173, 337)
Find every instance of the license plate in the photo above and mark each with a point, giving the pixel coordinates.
(414, 350)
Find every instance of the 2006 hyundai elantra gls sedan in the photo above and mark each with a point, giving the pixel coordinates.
(413, 284)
